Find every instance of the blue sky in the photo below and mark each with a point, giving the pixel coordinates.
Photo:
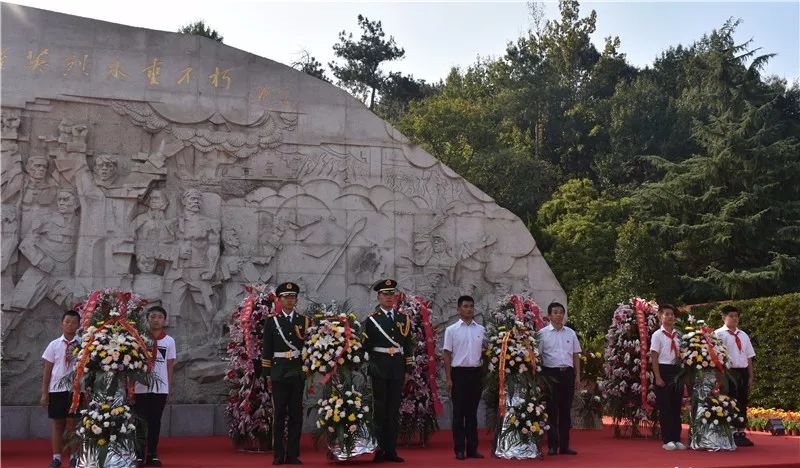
(440, 35)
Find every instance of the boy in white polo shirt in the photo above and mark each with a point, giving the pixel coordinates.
(58, 362)
(741, 354)
(665, 358)
(150, 401)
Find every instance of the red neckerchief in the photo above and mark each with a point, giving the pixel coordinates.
(736, 335)
(155, 342)
(672, 344)
(68, 354)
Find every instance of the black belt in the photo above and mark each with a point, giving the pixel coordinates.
(559, 369)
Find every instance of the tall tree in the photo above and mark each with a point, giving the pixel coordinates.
(361, 72)
(730, 215)
(199, 28)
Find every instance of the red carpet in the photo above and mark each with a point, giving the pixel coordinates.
(595, 449)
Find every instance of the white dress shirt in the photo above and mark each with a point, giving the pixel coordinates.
(465, 341)
(55, 353)
(660, 343)
(558, 347)
(738, 359)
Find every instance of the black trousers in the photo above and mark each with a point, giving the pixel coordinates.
(559, 406)
(150, 407)
(668, 400)
(287, 398)
(738, 387)
(386, 395)
(465, 398)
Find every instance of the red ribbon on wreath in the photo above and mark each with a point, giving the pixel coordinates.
(537, 314)
(501, 370)
(247, 314)
(712, 353)
(641, 322)
(88, 309)
(430, 348)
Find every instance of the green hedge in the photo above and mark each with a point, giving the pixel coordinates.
(773, 324)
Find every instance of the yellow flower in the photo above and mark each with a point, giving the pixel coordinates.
(101, 442)
(536, 427)
(102, 354)
(105, 406)
(91, 348)
(336, 418)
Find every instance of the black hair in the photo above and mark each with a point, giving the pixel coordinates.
(157, 309)
(553, 305)
(70, 313)
(671, 307)
(728, 309)
(463, 299)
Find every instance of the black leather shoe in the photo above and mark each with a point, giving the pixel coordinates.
(460, 456)
(552, 451)
(394, 458)
(475, 455)
(568, 451)
(293, 461)
(742, 441)
(380, 457)
(277, 461)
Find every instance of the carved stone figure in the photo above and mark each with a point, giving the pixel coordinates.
(108, 199)
(146, 282)
(153, 232)
(50, 248)
(194, 260)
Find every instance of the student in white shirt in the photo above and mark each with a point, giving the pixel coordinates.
(57, 398)
(560, 350)
(150, 401)
(665, 358)
(741, 354)
(462, 350)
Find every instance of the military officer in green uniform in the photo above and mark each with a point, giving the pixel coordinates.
(284, 334)
(387, 338)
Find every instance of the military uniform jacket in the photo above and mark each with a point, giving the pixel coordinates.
(385, 365)
(295, 332)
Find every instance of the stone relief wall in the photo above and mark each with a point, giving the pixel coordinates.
(183, 169)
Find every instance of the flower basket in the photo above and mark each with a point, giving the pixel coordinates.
(333, 356)
(249, 410)
(111, 354)
(420, 402)
(513, 383)
(629, 382)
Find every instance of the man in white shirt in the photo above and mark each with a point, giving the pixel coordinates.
(560, 350)
(665, 355)
(150, 401)
(57, 398)
(462, 350)
(741, 354)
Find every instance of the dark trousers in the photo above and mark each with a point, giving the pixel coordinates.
(150, 407)
(738, 387)
(287, 397)
(668, 400)
(465, 398)
(386, 394)
(559, 406)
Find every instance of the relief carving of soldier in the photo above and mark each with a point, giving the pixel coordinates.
(194, 259)
(50, 248)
